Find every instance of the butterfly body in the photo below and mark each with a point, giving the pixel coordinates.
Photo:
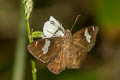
(63, 59)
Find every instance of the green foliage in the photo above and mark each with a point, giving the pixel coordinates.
(108, 12)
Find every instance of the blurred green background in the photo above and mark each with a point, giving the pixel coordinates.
(103, 61)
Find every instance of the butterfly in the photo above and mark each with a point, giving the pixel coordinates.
(61, 49)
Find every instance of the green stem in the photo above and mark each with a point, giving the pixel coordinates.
(28, 5)
(28, 31)
(34, 70)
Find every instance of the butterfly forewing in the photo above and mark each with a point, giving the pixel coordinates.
(36, 48)
(83, 41)
(86, 37)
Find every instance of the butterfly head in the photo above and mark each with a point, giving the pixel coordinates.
(68, 33)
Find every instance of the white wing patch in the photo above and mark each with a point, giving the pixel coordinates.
(87, 35)
(51, 26)
(46, 46)
(93, 28)
(36, 43)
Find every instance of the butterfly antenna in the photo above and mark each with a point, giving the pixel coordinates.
(75, 22)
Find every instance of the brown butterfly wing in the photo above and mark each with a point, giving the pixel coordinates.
(81, 46)
(80, 38)
(35, 48)
(77, 56)
(58, 64)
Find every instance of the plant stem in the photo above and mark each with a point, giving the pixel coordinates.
(28, 31)
(34, 70)
(28, 5)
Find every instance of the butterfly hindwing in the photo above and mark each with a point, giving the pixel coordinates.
(58, 64)
(77, 57)
(36, 48)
